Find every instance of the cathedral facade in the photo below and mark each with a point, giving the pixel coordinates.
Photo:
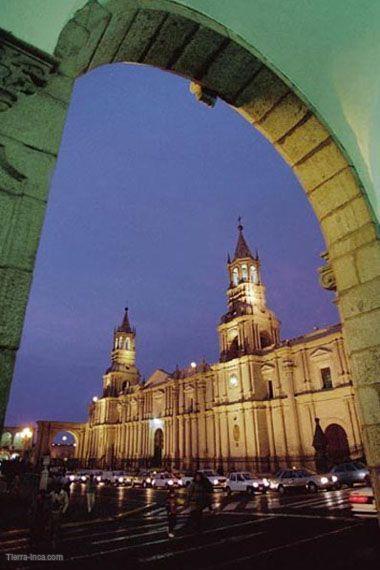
(257, 408)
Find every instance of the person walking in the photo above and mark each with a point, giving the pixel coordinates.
(197, 502)
(90, 493)
(171, 509)
(209, 492)
(59, 502)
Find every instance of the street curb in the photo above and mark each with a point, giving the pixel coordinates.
(74, 524)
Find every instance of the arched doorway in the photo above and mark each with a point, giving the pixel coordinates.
(184, 41)
(337, 443)
(158, 446)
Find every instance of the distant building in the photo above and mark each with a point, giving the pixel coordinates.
(15, 442)
(254, 409)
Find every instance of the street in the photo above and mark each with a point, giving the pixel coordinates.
(264, 531)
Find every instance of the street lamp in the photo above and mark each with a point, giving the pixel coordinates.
(95, 399)
(26, 434)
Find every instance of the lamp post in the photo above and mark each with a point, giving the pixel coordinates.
(26, 435)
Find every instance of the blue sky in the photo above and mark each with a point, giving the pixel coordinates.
(143, 209)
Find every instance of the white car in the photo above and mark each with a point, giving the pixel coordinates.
(245, 482)
(185, 480)
(217, 481)
(363, 502)
(302, 479)
(164, 480)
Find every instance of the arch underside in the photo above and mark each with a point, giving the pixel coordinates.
(184, 42)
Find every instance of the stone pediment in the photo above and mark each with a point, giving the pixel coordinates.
(320, 352)
(267, 368)
(189, 388)
(158, 377)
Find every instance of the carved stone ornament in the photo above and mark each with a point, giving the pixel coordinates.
(326, 274)
(23, 69)
(202, 94)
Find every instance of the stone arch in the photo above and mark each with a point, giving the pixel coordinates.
(178, 39)
(158, 447)
(6, 439)
(47, 431)
(338, 448)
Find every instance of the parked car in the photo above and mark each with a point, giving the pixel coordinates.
(286, 479)
(217, 481)
(164, 480)
(142, 479)
(363, 502)
(242, 481)
(185, 480)
(351, 472)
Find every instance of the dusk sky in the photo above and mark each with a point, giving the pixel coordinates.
(143, 209)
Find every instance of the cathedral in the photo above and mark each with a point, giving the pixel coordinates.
(256, 409)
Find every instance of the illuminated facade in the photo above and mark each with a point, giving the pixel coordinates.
(253, 409)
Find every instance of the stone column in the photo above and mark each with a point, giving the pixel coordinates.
(293, 420)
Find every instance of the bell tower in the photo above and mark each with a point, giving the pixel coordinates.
(122, 375)
(248, 326)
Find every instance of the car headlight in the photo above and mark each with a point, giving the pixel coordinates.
(121, 479)
(170, 482)
(99, 478)
(83, 478)
(153, 482)
(334, 478)
(148, 480)
(180, 482)
(72, 477)
(255, 485)
(324, 480)
(266, 482)
(215, 482)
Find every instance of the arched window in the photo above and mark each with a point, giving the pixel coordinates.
(116, 342)
(127, 343)
(253, 274)
(244, 272)
(265, 339)
(235, 276)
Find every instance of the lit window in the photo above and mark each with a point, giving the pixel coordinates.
(253, 274)
(326, 378)
(244, 272)
(235, 276)
(233, 381)
(127, 343)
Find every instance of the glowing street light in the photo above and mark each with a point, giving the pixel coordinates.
(64, 438)
(193, 365)
(95, 399)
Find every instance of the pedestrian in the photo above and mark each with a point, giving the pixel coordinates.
(39, 517)
(209, 492)
(59, 502)
(197, 502)
(90, 493)
(171, 509)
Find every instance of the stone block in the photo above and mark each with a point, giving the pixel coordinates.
(365, 366)
(320, 166)
(7, 361)
(113, 36)
(360, 299)
(345, 220)
(345, 273)
(36, 121)
(340, 189)
(170, 41)
(231, 69)
(368, 261)
(302, 140)
(20, 245)
(258, 98)
(140, 35)
(14, 291)
(353, 241)
(282, 118)
(371, 439)
(201, 48)
(24, 170)
(362, 331)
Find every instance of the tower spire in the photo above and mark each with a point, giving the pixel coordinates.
(242, 249)
(125, 325)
